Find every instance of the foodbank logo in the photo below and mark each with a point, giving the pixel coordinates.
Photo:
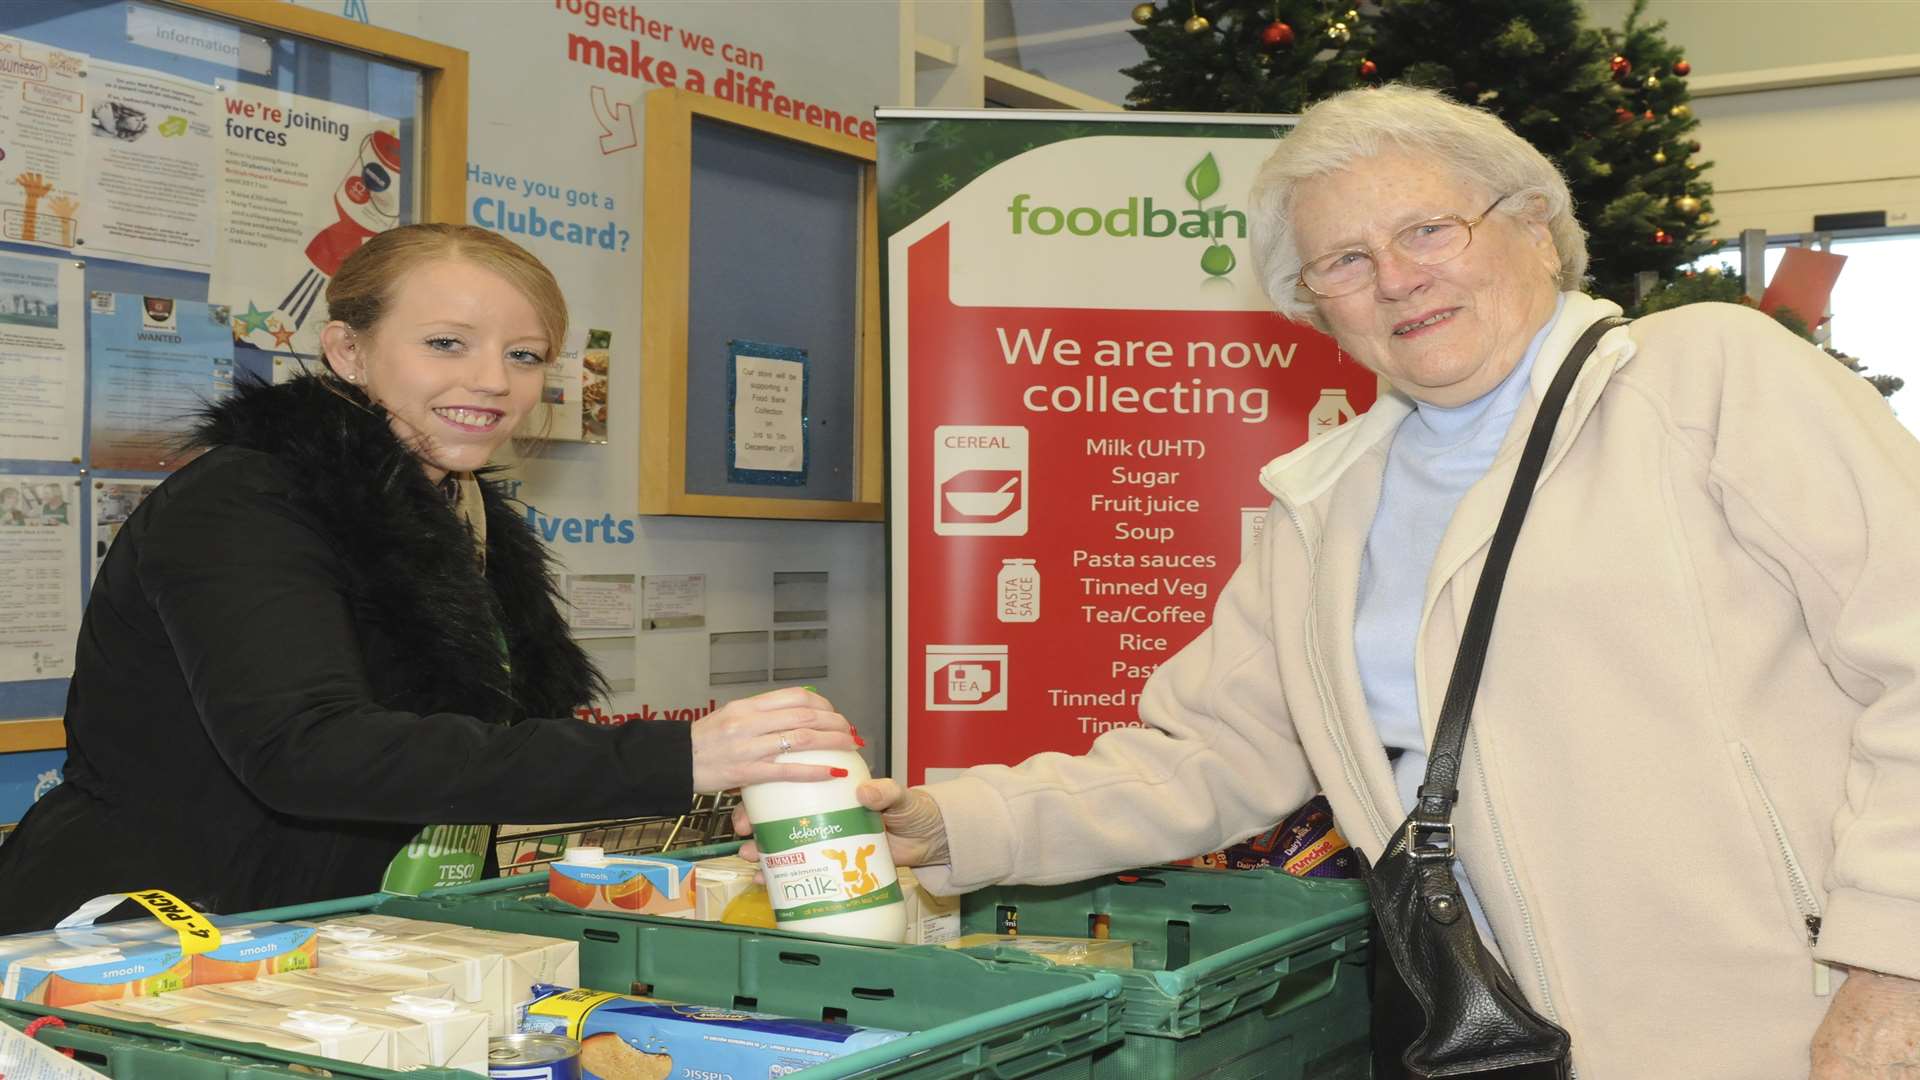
(1140, 216)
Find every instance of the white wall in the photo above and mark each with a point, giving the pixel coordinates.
(533, 118)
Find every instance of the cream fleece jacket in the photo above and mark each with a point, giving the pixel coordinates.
(1693, 776)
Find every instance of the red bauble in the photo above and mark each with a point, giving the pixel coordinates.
(1682, 68)
(1662, 237)
(1693, 146)
(1648, 115)
(1368, 68)
(1624, 116)
(1276, 34)
(1621, 66)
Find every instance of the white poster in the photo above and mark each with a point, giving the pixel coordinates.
(39, 576)
(150, 168)
(114, 501)
(768, 432)
(303, 183)
(43, 123)
(42, 364)
(600, 605)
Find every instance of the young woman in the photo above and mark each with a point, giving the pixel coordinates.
(327, 634)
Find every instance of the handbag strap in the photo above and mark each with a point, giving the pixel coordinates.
(1431, 820)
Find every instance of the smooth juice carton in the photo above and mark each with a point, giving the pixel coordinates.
(591, 880)
(256, 950)
(65, 974)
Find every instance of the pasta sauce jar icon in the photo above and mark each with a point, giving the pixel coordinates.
(367, 202)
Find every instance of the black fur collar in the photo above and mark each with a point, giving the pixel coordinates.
(415, 556)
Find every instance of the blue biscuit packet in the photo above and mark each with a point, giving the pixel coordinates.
(630, 1038)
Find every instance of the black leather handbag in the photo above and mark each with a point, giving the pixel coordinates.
(1477, 1020)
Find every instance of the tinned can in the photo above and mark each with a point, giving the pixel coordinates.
(533, 1057)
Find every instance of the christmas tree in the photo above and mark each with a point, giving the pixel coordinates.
(1608, 107)
(1273, 56)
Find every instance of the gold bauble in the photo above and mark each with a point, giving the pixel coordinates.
(1197, 25)
(1659, 157)
(1143, 13)
(1339, 32)
(1679, 112)
(1687, 205)
(1353, 16)
(1653, 82)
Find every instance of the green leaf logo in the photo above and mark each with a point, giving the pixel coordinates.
(1204, 180)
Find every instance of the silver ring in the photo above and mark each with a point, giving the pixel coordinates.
(786, 745)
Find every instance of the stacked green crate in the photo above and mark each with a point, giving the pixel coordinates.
(972, 1018)
(1235, 974)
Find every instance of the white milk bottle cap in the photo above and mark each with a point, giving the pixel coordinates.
(585, 856)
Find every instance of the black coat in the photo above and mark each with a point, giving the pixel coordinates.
(289, 664)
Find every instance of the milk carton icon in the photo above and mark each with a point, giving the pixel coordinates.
(1329, 413)
(980, 481)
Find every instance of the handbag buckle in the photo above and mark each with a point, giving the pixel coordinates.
(1428, 840)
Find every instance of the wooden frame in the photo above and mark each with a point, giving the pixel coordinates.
(443, 71)
(443, 159)
(666, 258)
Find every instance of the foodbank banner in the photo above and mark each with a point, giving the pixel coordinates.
(1084, 380)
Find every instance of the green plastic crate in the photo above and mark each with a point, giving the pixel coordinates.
(977, 1019)
(1236, 974)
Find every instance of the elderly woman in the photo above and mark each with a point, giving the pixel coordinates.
(1689, 813)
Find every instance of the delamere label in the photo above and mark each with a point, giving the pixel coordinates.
(824, 864)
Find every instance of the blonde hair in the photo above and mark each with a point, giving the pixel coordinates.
(1358, 124)
(359, 293)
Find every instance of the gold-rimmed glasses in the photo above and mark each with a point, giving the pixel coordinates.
(1423, 243)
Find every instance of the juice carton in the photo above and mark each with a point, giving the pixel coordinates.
(67, 974)
(348, 980)
(526, 960)
(299, 1031)
(446, 1034)
(476, 977)
(256, 950)
(590, 879)
(167, 1010)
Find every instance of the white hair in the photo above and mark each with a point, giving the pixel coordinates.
(1357, 124)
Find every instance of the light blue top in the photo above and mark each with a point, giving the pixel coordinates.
(1437, 454)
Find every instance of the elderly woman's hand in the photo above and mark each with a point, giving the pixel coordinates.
(735, 745)
(1871, 1031)
(916, 833)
